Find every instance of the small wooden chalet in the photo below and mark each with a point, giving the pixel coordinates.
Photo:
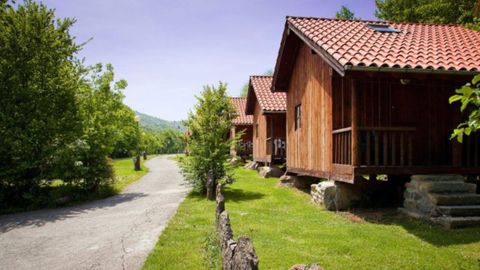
(371, 98)
(242, 123)
(268, 110)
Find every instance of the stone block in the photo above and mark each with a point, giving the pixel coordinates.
(270, 171)
(252, 165)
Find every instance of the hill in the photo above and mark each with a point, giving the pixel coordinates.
(155, 124)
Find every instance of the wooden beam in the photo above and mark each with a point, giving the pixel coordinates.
(355, 148)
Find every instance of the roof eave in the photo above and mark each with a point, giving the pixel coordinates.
(327, 57)
(273, 112)
(410, 70)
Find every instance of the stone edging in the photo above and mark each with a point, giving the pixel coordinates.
(236, 255)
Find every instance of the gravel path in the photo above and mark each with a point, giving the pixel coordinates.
(114, 233)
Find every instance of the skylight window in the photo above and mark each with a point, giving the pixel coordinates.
(383, 28)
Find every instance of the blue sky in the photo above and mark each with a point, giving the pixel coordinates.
(167, 50)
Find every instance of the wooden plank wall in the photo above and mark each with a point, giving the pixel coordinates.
(259, 142)
(247, 132)
(310, 147)
(278, 121)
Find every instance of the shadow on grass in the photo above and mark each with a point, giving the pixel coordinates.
(231, 194)
(422, 229)
(238, 195)
(42, 217)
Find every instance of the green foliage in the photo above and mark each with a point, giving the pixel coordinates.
(168, 141)
(244, 90)
(38, 109)
(104, 118)
(58, 119)
(208, 143)
(345, 13)
(427, 11)
(469, 97)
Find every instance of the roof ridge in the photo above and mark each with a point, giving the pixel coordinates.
(264, 76)
(374, 21)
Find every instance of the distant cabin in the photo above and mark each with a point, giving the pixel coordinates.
(269, 115)
(242, 124)
(369, 98)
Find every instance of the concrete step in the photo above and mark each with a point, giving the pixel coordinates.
(460, 210)
(436, 178)
(444, 187)
(455, 199)
(457, 222)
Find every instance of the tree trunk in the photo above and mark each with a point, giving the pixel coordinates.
(136, 163)
(210, 187)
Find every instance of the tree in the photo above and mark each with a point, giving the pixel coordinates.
(103, 116)
(209, 147)
(427, 11)
(128, 138)
(345, 13)
(38, 109)
(469, 97)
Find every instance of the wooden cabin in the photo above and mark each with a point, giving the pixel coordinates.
(242, 123)
(371, 98)
(268, 111)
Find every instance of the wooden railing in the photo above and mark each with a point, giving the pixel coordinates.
(276, 147)
(386, 146)
(377, 146)
(342, 146)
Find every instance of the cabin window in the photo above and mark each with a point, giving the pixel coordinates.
(298, 116)
(256, 130)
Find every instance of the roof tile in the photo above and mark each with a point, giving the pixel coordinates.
(352, 42)
(269, 101)
(242, 119)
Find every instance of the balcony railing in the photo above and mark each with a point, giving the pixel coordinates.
(377, 146)
(276, 148)
(244, 148)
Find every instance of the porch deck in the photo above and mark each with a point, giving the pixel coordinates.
(400, 151)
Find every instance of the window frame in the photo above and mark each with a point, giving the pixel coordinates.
(298, 116)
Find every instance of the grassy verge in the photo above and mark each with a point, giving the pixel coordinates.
(58, 194)
(286, 229)
(124, 173)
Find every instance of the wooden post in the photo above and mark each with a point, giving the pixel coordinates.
(355, 148)
(233, 150)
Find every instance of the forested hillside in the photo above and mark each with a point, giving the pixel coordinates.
(154, 124)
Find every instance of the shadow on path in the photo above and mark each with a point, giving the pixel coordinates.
(42, 217)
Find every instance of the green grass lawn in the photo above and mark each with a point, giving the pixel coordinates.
(57, 194)
(286, 229)
(125, 174)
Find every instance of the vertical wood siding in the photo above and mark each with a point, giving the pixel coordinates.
(310, 147)
(259, 142)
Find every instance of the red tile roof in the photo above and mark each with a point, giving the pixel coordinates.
(242, 119)
(269, 101)
(416, 46)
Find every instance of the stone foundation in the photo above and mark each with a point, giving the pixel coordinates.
(336, 196)
(286, 181)
(443, 199)
(270, 171)
(252, 165)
